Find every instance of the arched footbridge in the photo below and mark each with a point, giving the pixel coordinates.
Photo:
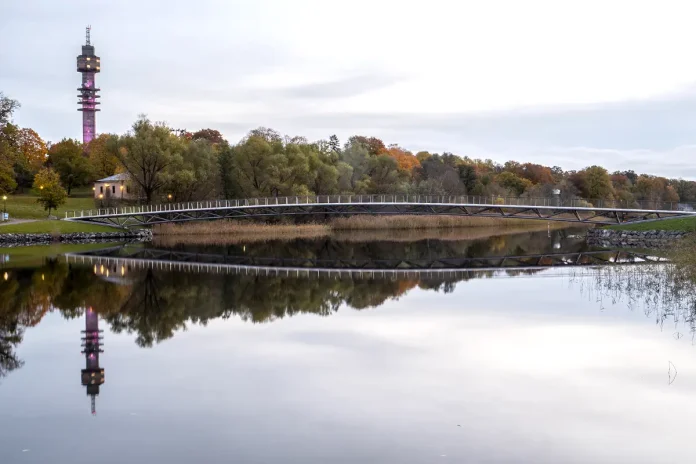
(547, 209)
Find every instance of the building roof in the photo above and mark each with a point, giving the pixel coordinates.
(115, 178)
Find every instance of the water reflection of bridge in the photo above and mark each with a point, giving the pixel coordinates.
(120, 260)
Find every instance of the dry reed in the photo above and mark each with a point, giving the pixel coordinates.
(242, 228)
(453, 234)
(434, 222)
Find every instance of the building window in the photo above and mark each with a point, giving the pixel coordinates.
(113, 189)
(127, 189)
(101, 189)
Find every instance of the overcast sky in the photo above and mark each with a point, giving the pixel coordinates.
(567, 83)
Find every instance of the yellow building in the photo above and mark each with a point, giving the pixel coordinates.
(116, 187)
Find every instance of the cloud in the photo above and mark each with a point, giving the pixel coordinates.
(339, 88)
(304, 70)
(655, 136)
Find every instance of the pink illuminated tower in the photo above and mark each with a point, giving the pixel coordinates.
(88, 65)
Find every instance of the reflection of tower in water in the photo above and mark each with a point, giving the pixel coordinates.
(92, 375)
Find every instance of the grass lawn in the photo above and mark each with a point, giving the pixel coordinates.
(687, 224)
(25, 206)
(57, 227)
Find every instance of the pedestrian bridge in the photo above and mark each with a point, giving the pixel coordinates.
(547, 209)
(123, 260)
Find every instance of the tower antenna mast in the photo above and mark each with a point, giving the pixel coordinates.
(88, 65)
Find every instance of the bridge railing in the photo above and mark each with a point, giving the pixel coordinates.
(386, 198)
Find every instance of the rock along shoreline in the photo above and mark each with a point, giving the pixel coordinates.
(633, 239)
(13, 240)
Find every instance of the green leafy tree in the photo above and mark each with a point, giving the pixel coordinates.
(291, 170)
(252, 168)
(384, 175)
(345, 176)
(357, 157)
(7, 178)
(373, 145)
(8, 144)
(685, 189)
(513, 182)
(468, 176)
(102, 154)
(325, 175)
(227, 175)
(7, 107)
(67, 158)
(598, 183)
(195, 175)
(422, 156)
(47, 186)
(146, 153)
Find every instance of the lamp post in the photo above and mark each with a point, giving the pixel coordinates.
(4, 207)
(101, 200)
(169, 197)
(557, 196)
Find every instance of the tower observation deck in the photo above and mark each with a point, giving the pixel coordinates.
(88, 64)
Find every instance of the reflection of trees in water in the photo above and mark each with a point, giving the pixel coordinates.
(28, 294)
(662, 291)
(162, 303)
(154, 305)
(153, 309)
(10, 337)
(11, 331)
(11, 326)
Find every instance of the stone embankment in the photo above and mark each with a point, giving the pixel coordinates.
(632, 238)
(9, 240)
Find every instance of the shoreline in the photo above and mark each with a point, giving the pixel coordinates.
(19, 239)
(648, 239)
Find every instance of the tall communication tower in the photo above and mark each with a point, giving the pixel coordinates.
(88, 64)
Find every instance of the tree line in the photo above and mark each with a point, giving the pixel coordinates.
(166, 164)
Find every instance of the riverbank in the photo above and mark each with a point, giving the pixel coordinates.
(394, 228)
(54, 227)
(682, 224)
(15, 240)
(608, 238)
(665, 233)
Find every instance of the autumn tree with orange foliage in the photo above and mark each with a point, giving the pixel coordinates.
(405, 159)
(32, 148)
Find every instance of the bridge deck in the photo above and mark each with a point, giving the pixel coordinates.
(346, 205)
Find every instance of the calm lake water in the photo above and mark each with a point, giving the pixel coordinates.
(243, 363)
